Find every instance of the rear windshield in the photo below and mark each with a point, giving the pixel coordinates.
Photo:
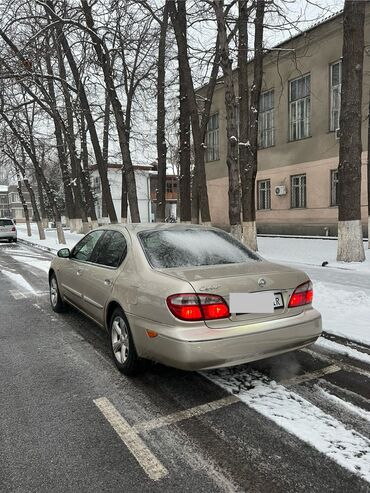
(6, 222)
(192, 247)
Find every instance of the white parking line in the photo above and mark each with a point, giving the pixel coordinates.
(147, 460)
(185, 414)
(344, 366)
(17, 295)
(306, 377)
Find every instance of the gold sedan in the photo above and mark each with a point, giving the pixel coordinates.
(187, 296)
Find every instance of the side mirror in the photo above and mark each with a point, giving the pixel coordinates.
(64, 253)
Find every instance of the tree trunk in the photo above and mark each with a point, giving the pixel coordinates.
(350, 240)
(248, 145)
(184, 152)
(368, 177)
(87, 113)
(160, 213)
(85, 173)
(178, 18)
(105, 63)
(231, 127)
(24, 204)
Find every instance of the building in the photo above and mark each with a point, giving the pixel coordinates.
(146, 177)
(170, 194)
(11, 205)
(4, 201)
(297, 178)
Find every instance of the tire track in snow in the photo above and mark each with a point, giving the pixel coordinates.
(298, 416)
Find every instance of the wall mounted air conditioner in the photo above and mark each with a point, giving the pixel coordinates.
(280, 190)
(337, 133)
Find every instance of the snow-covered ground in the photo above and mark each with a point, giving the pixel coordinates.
(342, 291)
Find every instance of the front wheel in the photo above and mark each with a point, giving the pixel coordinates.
(122, 344)
(56, 301)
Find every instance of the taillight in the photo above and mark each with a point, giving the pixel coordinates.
(302, 295)
(195, 307)
(13, 228)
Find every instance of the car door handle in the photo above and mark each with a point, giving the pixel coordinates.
(107, 282)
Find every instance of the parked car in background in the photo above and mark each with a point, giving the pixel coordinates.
(187, 296)
(8, 231)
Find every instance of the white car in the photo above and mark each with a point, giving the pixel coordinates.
(8, 231)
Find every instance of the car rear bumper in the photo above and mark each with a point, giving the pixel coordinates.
(257, 342)
(8, 235)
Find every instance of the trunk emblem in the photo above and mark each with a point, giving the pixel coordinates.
(261, 282)
(209, 288)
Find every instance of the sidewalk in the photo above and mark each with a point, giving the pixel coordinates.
(341, 291)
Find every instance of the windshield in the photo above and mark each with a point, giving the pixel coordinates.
(166, 249)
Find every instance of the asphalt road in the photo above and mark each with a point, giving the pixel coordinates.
(58, 386)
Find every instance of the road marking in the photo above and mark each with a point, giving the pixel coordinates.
(185, 414)
(311, 375)
(344, 366)
(147, 460)
(17, 295)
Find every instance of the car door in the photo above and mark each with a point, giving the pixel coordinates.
(71, 274)
(101, 273)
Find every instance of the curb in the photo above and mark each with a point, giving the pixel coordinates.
(39, 247)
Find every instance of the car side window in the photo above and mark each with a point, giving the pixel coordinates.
(83, 249)
(111, 250)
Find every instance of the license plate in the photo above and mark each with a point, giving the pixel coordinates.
(261, 302)
(278, 300)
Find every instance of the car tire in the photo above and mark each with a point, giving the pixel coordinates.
(15, 240)
(10, 240)
(122, 345)
(56, 301)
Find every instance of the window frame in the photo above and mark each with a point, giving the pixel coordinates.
(294, 188)
(267, 191)
(213, 152)
(92, 251)
(334, 190)
(332, 127)
(307, 110)
(101, 239)
(262, 118)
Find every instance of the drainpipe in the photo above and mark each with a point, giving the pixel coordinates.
(149, 199)
(368, 176)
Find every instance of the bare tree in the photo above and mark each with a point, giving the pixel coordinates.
(350, 241)
(248, 144)
(231, 121)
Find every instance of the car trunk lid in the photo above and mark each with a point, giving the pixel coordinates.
(243, 278)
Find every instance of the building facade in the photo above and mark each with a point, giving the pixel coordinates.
(146, 180)
(296, 190)
(11, 205)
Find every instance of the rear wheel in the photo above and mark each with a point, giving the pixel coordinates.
(56, 301)
(122, 344)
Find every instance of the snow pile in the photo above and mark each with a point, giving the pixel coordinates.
(299, 417)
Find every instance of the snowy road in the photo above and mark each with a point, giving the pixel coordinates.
(299, 422)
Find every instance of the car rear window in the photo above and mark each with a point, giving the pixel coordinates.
(165, 249)
(6, 222)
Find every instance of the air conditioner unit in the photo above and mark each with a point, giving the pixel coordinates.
(280, 190)
(337, 133)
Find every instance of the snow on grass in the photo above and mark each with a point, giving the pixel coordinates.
(345, 350)
(19, 280)
(299, 417)
(308, 251)
(345, 312)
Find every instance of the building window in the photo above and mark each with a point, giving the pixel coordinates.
(299, 108)
(13, 197)
(263, 194)
(266, 130)
(213, 143)
(335, 90)
(298, 195)
(96, 184)
(334, 187)
(171, 186)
